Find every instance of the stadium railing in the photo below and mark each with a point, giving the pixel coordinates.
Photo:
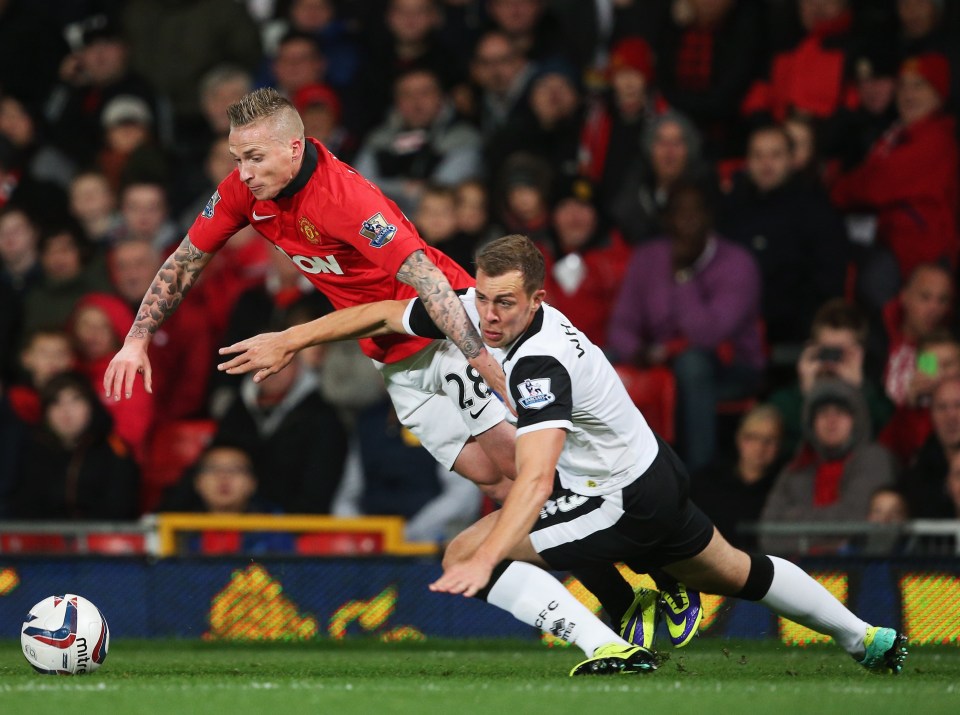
(920, 537)
(169, 534)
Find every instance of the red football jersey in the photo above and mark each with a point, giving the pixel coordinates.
(341, 232)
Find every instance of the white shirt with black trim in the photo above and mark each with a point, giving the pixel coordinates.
(559, 379)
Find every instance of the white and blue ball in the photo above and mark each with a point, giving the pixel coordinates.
(65, 635)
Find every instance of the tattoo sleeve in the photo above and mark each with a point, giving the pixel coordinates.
(441, 302)
(170, 286)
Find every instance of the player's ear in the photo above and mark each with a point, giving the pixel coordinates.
(296, 148)
(537, 298)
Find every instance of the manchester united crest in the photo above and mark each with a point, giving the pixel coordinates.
(308, 230)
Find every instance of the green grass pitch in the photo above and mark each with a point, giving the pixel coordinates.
(463, 677)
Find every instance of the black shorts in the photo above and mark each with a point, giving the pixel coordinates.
(648, 524)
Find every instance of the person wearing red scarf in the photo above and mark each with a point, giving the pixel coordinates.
(835, 472)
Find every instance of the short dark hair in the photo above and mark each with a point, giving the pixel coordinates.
(840, 315)
(513, 253)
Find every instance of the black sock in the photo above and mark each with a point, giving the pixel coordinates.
(609, 586)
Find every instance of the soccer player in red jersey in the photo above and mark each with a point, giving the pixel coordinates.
(356, 247)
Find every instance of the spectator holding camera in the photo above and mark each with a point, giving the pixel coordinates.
(836, 471)
(835, 348)
(938, 358)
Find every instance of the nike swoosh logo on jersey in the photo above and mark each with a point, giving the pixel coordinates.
(476, 414)
(262, 218)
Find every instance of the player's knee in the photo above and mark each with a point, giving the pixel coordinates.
(498, 491)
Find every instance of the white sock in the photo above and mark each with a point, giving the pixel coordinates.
(535, 597)
(795, 595)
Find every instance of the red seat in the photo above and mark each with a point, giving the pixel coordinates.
(172, 448)
(654, 392)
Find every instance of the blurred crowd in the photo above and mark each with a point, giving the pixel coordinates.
(756, 201)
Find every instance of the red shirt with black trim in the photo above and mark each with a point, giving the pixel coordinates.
(340, 231)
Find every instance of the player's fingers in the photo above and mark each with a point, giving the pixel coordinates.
(263, 374)
(128, 379)
(148, 379)
(235, 348)
(232, 363)
(108, 382)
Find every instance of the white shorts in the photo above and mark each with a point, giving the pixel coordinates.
(441, 399)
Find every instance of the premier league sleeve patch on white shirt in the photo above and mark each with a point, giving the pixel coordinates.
(535, 393)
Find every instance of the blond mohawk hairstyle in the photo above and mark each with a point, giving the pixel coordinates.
(264, 103)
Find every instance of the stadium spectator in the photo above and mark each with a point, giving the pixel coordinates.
(875, 72)
(145, 210)
(19, 252)
(835, 473)
(130, 152)
(70, 270)
(521, 195)
(814, 76)
(924, 481)
(21, 123)
(888, 506)
(836, 348)
(295, 438)
(691, 300)
(207, 34)
(74, 466)
(796, 237)
(320, 108)
(671, 153)
(910, 181)
(299, 61)
(503, 74)
(436, 220)
(551, 127)
(585, 259)
(923, 28)
(94, 204)
(808, 162)
(707, 55)
(182, 351)
(733, 489)
(224, 481)
(98, 327)
(612, 136)
(45, 353)
(532, 27)
(91, 77)
(422, 141)
(408, 38)
(17, 186)
(938, 358)
(396, 475)
(473, 213)
(318, 18)
(923, 307)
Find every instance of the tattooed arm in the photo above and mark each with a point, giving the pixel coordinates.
(448, 314)
(171, 285)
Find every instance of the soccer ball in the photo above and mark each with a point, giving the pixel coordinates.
(65, 635)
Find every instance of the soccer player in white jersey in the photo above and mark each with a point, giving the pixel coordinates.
(594, 484)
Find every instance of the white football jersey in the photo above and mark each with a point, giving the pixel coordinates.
(558, 379)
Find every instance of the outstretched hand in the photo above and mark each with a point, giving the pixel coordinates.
(267, 353)
(122, 371)
(466, 577)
